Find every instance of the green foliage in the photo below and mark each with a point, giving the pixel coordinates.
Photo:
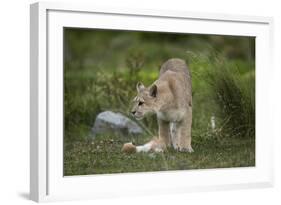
(86, 94)
(231, 91)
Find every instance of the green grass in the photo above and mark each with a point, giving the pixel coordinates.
(103, 155)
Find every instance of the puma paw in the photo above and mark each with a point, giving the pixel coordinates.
(185, 149)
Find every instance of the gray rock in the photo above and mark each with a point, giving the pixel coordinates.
(111, 122)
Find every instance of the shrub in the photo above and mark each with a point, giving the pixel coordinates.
(232, 91)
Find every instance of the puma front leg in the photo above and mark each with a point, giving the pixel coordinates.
(164, 132)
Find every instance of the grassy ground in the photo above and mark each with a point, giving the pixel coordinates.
(103, 155)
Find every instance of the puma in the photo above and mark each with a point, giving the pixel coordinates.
(170, 98)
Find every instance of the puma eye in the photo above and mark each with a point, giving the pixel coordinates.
(140, 103)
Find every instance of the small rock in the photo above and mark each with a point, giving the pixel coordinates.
(111, 122)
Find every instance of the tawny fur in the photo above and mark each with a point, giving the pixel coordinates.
(170, 97)
(155, 145)
(129, 148)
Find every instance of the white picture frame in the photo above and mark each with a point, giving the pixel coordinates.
(47, 182)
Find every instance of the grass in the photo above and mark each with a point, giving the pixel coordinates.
(103, 155)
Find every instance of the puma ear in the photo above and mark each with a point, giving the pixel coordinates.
(140, 87)
(153, 90)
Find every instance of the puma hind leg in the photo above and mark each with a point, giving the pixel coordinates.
(181, 133)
